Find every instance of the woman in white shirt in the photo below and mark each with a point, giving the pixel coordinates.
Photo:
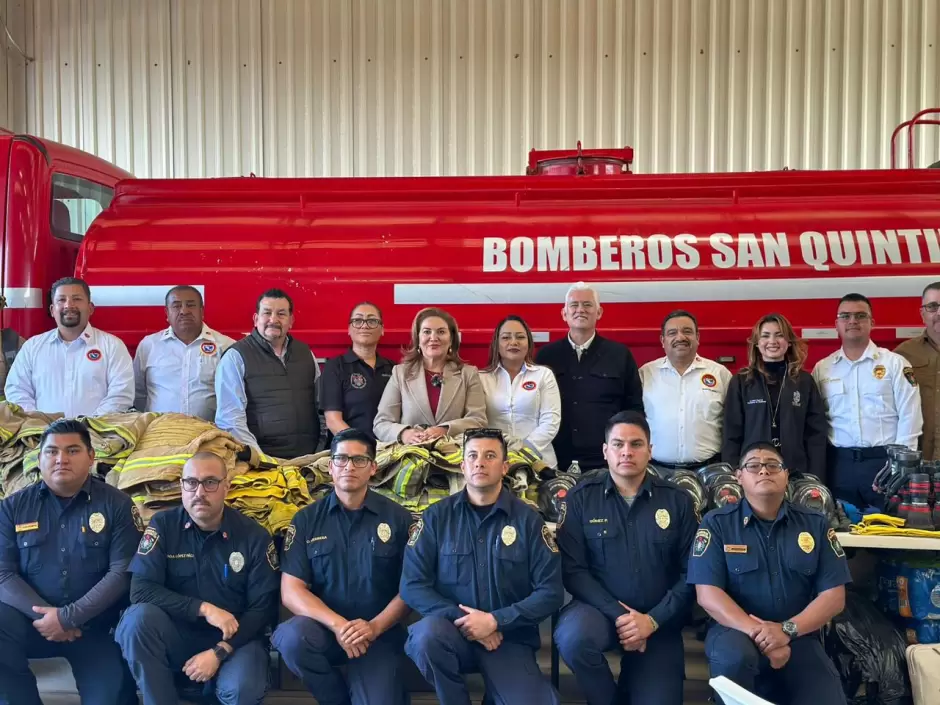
(522, 399)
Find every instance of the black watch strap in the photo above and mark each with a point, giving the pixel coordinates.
(221, 653)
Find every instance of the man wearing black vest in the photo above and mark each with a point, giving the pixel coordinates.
(597, 378)
(265, 385)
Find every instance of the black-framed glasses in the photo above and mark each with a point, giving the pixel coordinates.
(359, 461)
(773, 467)
(210, 484)
(859, 316)
(932, 307)
(483, 433)
(365, 322)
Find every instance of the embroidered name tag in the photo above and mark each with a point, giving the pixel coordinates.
(31, 526)
(180, 555)
(316, 538)
(735, 548)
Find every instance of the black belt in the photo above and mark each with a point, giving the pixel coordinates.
(861, 453)
(687, 466)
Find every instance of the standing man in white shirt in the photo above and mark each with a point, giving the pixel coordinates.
(73, 369)
(522, 398)
(175, 368)
(872, 401)
(684, 398)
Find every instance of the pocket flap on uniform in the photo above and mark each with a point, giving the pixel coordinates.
(604, 530)
(739, 563)
(455, 548)
(29, 539)
(319, 547)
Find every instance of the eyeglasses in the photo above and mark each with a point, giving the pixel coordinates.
(932, 307)
(754, 466)
(210, 484)
(358, 461)
(483, 433)
(365, 322)
(860, 316)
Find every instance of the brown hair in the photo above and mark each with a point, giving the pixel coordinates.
(796, 352)
(411, 356)
(494, 344)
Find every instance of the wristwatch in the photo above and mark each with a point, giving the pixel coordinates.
(789, 628)
(221, 653)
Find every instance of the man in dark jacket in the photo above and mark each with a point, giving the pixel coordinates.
(265, 384)
(597, 378)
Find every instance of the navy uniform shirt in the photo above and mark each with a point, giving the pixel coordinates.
(178, 567)
(506, 563)
(772, 570)
(636, 554)
(350, 559)
(62, 548)
(351, 386)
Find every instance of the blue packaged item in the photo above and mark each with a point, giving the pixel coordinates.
(924, 631)
(919, 590)
(888, 571)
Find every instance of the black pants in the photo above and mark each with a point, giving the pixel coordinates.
(851, 473)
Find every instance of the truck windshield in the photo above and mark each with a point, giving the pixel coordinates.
(75, 203)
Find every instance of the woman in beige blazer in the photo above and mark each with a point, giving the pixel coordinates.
(432, 393)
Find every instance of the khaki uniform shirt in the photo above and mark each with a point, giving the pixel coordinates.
(925, 361)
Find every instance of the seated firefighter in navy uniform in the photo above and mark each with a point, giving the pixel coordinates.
(204, 592)
(625, 537)
(770, 574)
(483, 571)
(65, 544)
(341, 566)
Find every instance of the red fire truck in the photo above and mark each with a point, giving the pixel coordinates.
(728, 247)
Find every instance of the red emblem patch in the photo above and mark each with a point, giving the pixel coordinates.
(94, 354)
(709, 381)
(562, 493)
(528, 386)
(208, 348)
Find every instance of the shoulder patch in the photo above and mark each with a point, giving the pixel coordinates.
(148, 541)
(562, 513)
(909, 376)
(549, 539)
(414, 533)
(289, 537)
(138, 522)
(834, 544)
(703, 537)
(271, 555)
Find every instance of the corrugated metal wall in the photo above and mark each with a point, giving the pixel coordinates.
(402, 87)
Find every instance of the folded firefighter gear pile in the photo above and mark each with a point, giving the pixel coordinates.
(150, 474)
(19, 432)
(270, 497)
(417, 476)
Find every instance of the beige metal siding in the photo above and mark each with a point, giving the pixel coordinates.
(404, 87)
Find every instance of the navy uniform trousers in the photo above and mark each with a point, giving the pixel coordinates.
(584, 634)
(312, 653)
(156, 647)
(99, 671)
(808, 677)
(511, 673)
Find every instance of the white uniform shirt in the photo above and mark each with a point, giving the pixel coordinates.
(527, 407)
(871, 402)
(175, 377)
(685, 411)
(91, 376)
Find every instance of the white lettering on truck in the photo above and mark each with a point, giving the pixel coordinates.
(823, 251)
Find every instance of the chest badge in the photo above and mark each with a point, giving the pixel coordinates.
(385, 532)
(357, 380)
(93, 355)
(208, 348)
(709, 380)
(806, 542)
(796, 398)
(879, 372)
(662, 519)
(509, 535)
(96, 522)
(528, 386)
(237, 561)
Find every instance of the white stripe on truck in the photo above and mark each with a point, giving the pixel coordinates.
(23, 297)
(665, 291)
(149, 295)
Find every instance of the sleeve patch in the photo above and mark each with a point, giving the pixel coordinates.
(414, 533)
(834, 544)
(138, 522)
(148, 541)
(549, 539)
(703, 537)
(271, 555)
(909, 376)
(289, 537)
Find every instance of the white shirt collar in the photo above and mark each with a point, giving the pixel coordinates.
(584, 347)
(697, 363)
(89, 336)
(205, 334)
(871, 352)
